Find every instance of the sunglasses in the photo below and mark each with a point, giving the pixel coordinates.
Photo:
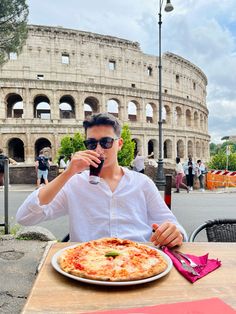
(104, 142)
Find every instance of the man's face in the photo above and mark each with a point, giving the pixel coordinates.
(110, 154)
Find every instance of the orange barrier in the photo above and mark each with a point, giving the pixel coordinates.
(214, 181)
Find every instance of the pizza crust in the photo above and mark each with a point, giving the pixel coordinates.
(112, 259)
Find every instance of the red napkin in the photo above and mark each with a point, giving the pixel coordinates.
(206, 265)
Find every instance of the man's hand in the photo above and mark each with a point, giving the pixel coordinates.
(82, 160)
(166, 234)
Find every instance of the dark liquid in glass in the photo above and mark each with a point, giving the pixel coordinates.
(94, 172)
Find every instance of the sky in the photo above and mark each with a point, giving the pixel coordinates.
(202, 31)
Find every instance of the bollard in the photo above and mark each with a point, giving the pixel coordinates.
(6, 185)
(168, 186)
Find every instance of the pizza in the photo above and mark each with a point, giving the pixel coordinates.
(112, 259)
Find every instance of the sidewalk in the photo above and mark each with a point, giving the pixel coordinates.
(32, 187)
(19, 261)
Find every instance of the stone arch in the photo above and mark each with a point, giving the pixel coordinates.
(180, 148)
(133, 108)
(196, 118)
(203, 150)
(138, 145)
(42, 144)
(149, 113)
(168, 148)
(15, 107)
(188, 118)
(178, 116)
(67, 107)
(166, 114)
(113, 107)
(16, 149)
(42, 108)
(152, 147)
(198, 149)
(190, 148)
(205, 123)
(201, 121)
(91, 106)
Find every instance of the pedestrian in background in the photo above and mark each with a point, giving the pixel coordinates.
(42, 166)
(2, 159)
(201, 171)
(138, 162)
(189, 170)
(61, 163)
(179, 176)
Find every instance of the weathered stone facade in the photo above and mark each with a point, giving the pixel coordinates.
(63, 75)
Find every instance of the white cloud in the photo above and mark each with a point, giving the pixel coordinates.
(204, 32)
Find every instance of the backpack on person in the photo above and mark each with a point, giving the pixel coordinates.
(43, 163)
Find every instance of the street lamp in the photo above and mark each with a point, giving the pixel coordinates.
(160, 178)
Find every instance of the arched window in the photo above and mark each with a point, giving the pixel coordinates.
(113, 107)
(15, 107)
(91, 106)
(188, 118)
(180, 149)
(198, 149)
(43, 144)
(178, 116)
(16, 149)
(67, 107)
(42, 109)
(167, 115)
(150, 147)
(149, 113)
(167, 149)
(190, 148)
(138, 145)
(132, 111)
(195, 119)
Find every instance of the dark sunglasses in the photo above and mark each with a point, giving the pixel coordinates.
(105, 143)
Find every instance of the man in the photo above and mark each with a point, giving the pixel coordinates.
(189, 170)
(41, 167)
(138, 162)
(201, 170)
(124, 204)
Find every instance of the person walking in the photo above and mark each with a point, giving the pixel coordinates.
(201, 170)
(189, 170)
(42, 166)
(179, 176)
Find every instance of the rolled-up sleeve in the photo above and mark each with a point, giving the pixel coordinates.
(158, 212)
(32, 213)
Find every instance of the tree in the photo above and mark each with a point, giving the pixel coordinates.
(126, 154)
(13, 26)
(218, 161)
(69, 144)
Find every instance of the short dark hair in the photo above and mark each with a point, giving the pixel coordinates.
(1, 150)
(177, 160)
(199, 160)
(103, 119)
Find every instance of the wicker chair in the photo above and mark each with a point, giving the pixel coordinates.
(219, 230)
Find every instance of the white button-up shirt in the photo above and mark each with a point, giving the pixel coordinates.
(95, 211)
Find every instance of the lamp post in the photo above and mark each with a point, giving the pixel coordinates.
(160, 178)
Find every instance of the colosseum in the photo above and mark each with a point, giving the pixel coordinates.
(63, 75)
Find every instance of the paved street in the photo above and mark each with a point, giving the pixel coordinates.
(191, 209)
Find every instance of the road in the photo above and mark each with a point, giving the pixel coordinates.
(191, 210)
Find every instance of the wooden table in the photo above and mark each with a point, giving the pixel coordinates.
(55, 293)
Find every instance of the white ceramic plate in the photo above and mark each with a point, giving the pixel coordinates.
(110, 283)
